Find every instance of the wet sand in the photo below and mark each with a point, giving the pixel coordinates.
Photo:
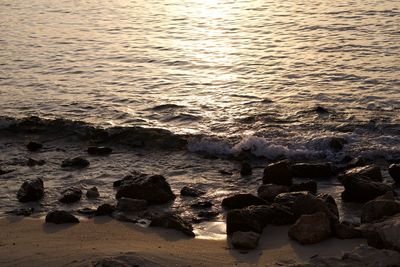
(31, 242)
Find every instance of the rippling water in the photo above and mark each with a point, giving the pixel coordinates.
(214, 67)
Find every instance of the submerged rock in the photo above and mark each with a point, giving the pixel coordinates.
(75, 163)
(361, 189)
(92, 193)
(22, 212)
(154, 189)
(31, 190)
(173, 221)
(131, 205)
(394, 171)
(33, 162)
(104, 209)
(71, 195)
(246, 169)
(245, 240)
(241, 201)
(377, 209)
(278, 173)
(34, 146)
(311, 229)
(268, 192)
(309, 186)
(60, 216)
(312, 170)
(99, 150)
(191, 192)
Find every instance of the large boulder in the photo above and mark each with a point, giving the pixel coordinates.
(173, 221)
(152, 188)
(268, 192)
(377, 209)
(131, 205)
(71, 195)
(278, 173)
(311, 229)
(240, 201)
(362, 189)
(31, 190)
(373, 172)
(312, 170)
(245, 240)
(255, 218)
(61, 216)
(384, 234)
(394, 171)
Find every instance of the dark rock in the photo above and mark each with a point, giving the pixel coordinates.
(92, 193)
(268, 192)
(99, 150)
(201, 205)
(246, 169)
(131, 205)
(309, 186)
(240, 201)
(321, 110)
(372, 172)
(173, 221)
(278, 173)
(34, 146)
(2, 171)
(312, 170)
(224, 172)
(245, 240)
(22, 212)
(60, 216)
(104, 209)
(76, 163)
(375, 210)
(346, 231)
(360, 189)
(87, 211)
(31, 190)
(191, 192)
(311, 229)
(337, 144)
(207, 214)
(71, 195)
(32, 162)
(394, 171)
(255, 218)
(154, 189)
(117, 183)
(126, 217)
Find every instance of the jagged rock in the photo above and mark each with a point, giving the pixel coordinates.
(22, 212)
(173, 221)
(361, 189)
(92, 193)
(394, 171)
(278, 173)
(60, 216)
(201, 205)
(373, 172)
(311, 229)
(346, 231)
(99, 150)
(270, 191)
(377, 209)
(154, 189)
(191, 192)
(245, 240)
(71, 195)
(312, 170)
(104, 209)
(240, 201)
(310, 186)
(255, 218)
(33, 162)
(246, 169)
(34, 146)
(75, 163)
(31, 190)
(131, 205)
(384, 234)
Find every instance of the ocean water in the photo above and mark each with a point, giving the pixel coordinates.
(230, 75)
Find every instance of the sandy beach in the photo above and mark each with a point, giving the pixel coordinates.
(31, 242)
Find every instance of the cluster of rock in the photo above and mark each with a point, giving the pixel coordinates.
(314, 217)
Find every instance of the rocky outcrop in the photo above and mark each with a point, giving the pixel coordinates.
(75, 163)
(375, 210)
(99, 150)
(173, 221)
(362, 189)
(154, 189)
(191, 192)
(31, 190)
(394, 171)
(131, 205)
(311, 229)
(61, 216)
(268, 192)
(240, 201)
(312, 170)
(245, 240)
(71, 195)
(278, 173)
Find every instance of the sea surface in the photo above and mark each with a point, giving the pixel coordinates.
(276, 78)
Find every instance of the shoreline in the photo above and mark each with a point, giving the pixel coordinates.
(31, 242)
